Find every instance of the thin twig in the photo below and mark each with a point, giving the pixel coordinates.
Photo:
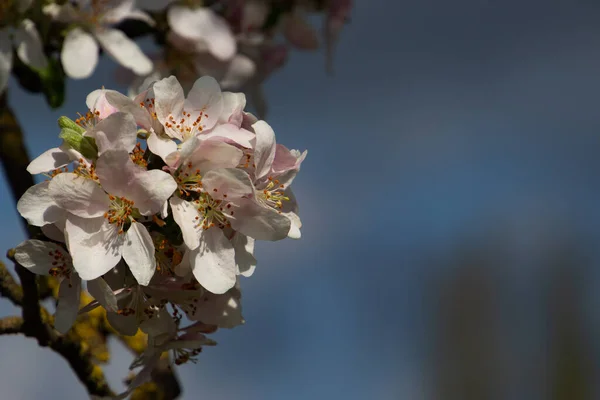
(8, 287)
(11, 325)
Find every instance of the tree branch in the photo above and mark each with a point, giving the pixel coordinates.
(11, 325)
(8, 287)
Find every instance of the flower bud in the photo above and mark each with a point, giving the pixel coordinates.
(85, 145)
(68, 123)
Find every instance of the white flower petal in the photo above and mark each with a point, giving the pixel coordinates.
(29, 45)
(260, 222)
(205, 96)
(38, 208)
(125, 325)
(38, 256)
(233, 105)
(185, 214)
(161, 146)
(49, 160)
(138, 253)
(223, 310)
(116, 132)
(264, 151)
(238, 72)
(94, 245)
(203, 24)
(121, 177)
(103, 294)
(232, 182)
(79, 54)
(244, 254)
(68, 303)
(124, 50)
(213, 154)
(52, 231)
(78, 195)
(213, 262)
(232, 133)
(125, 104)
(5, 58)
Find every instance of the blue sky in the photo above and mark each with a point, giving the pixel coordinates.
(447, 126)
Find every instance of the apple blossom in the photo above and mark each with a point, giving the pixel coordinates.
(93, 21)
(157, 203)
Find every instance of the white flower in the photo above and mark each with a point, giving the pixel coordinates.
(94, 19)
(204, 26)
(45, 258)
(26, 39)
(101, 227)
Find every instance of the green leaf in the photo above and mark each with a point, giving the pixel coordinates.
(68, 123)
(53, 83)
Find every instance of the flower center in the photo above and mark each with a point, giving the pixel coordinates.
(137, 156)
(119, 212)
(167, 256)
(272, 195)
(89, 120)
(188, 180)
(186, 126)
(211, 212)
(85, 170)
(61, 266)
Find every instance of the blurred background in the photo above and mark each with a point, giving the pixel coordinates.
(450, 207)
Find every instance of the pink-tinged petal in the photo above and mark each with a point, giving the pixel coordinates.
(213, 154)
(300, 33)
(99, 105)
(138, 253)
(6, 58)
(185, 214)
(232, 133)
(79, 54)
(122, 178)
(78, 195)
(244, 254)
(286, 160)
(205, 98)
(260, 222)
(116, 132)
(68, 303)
(124, 50)
(29, 45)
(94, 244)
(49, 160)
(213, 262)
(230, 182)
(103, 293)
(203, 24)
(264, 150)
(38, 256)
(38, 208)
(233, 105)
(161, 146)
(255, 14)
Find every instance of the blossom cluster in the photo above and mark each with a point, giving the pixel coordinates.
(157, 202)
(239, 42)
